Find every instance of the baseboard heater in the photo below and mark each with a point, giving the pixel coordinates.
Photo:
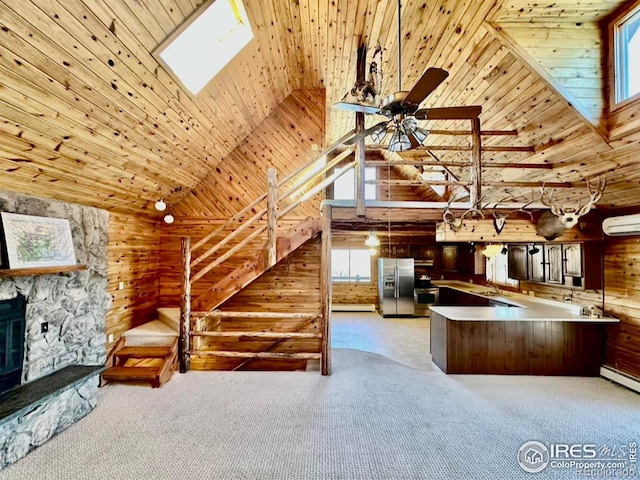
(622, 378)
(353, 307)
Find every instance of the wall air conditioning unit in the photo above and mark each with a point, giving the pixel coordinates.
(621, 226)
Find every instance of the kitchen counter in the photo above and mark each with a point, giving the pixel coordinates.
(527, 307)
(534, 336)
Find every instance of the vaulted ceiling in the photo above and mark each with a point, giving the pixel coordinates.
(87, 114)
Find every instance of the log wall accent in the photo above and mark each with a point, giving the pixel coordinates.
(292, 286)
(134, 259)
(282, 141)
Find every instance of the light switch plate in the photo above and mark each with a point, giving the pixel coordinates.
(121, 286)
(110, 338)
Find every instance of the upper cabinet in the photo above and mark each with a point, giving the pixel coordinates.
(572, 265)
(450, 258)
(518, 262)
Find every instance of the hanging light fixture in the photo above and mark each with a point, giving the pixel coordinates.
(168, 218)
(372, 240)
(160, 205)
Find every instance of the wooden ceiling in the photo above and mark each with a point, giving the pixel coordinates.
(87, 114)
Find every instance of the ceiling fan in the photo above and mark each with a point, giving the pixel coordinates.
(403, 108)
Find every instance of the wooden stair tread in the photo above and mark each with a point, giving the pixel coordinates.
(130, 373)
(144, 352)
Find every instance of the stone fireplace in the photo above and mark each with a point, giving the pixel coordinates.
(12, 323)
(63, 331)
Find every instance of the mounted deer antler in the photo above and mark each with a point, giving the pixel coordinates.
(553, 224)
(455, 223)
(500, 219)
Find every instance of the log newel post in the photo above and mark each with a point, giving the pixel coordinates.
(185, 306)
(476, 164)
(325, 290)
(360, 147)
(272, 215)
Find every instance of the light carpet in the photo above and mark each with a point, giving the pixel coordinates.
(372, 419)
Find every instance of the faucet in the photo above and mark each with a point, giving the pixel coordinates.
(495, 287)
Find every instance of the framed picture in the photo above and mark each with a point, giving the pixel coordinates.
(31, 241)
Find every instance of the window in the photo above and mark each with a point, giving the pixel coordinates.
(210, 42)
(626, 33)
(497, 268)
(344, 188)
(350, 265)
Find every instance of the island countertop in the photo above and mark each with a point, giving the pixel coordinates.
(527, 308)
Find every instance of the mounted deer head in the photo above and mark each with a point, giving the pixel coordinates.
(500, 219)
(561, 218)
(455, 223)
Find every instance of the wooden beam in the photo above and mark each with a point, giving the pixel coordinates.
(272, 216)
(475, 174)
(325, 289)
(360, 148)
(284, 335)
(220, 353)
(277, 315)
(185, 306)
(461, 148)
(484, 184)
(512, 133)
(436, 163)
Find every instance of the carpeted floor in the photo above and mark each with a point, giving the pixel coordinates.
(373, 418)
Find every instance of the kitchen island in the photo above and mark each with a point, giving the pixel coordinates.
(524, 336)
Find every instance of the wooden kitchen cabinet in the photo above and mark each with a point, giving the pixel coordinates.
(450, 258)
(572, 259)
(553, 256)
(536, 263)
(517, 267)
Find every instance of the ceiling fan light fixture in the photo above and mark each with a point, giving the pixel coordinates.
(399, 141)
(420, 134)
(379, 135)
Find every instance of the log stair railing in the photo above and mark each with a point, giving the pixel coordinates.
(296, 188)
(152, 364)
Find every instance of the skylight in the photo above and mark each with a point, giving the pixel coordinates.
(208, 43)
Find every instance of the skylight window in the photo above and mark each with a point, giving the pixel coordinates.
(627, 52)
(208, 43)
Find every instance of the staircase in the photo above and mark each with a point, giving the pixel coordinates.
(304, 338)
(146, 364)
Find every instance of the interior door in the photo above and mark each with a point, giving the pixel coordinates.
(405, 286)
(554, 263)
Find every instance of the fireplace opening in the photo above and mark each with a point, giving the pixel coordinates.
(12, 326)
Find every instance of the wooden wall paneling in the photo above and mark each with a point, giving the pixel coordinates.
(622, 289)
(278, 290)
(133, 259)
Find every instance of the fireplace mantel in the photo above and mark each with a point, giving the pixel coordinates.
(25, 272)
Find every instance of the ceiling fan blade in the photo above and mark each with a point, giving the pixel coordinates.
(356, 107)
(366, 132)
(429, 81)
(414, 141)
(449, 113)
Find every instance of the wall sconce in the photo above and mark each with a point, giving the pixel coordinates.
(160, 205)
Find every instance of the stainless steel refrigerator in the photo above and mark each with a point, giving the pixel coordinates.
(395, 286)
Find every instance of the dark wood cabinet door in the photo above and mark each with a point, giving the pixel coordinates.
(553, 254)
(450, 258)
(536, 263)
(572, 259)
(517, 267)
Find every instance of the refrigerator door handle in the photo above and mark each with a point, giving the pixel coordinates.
(396, 293)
